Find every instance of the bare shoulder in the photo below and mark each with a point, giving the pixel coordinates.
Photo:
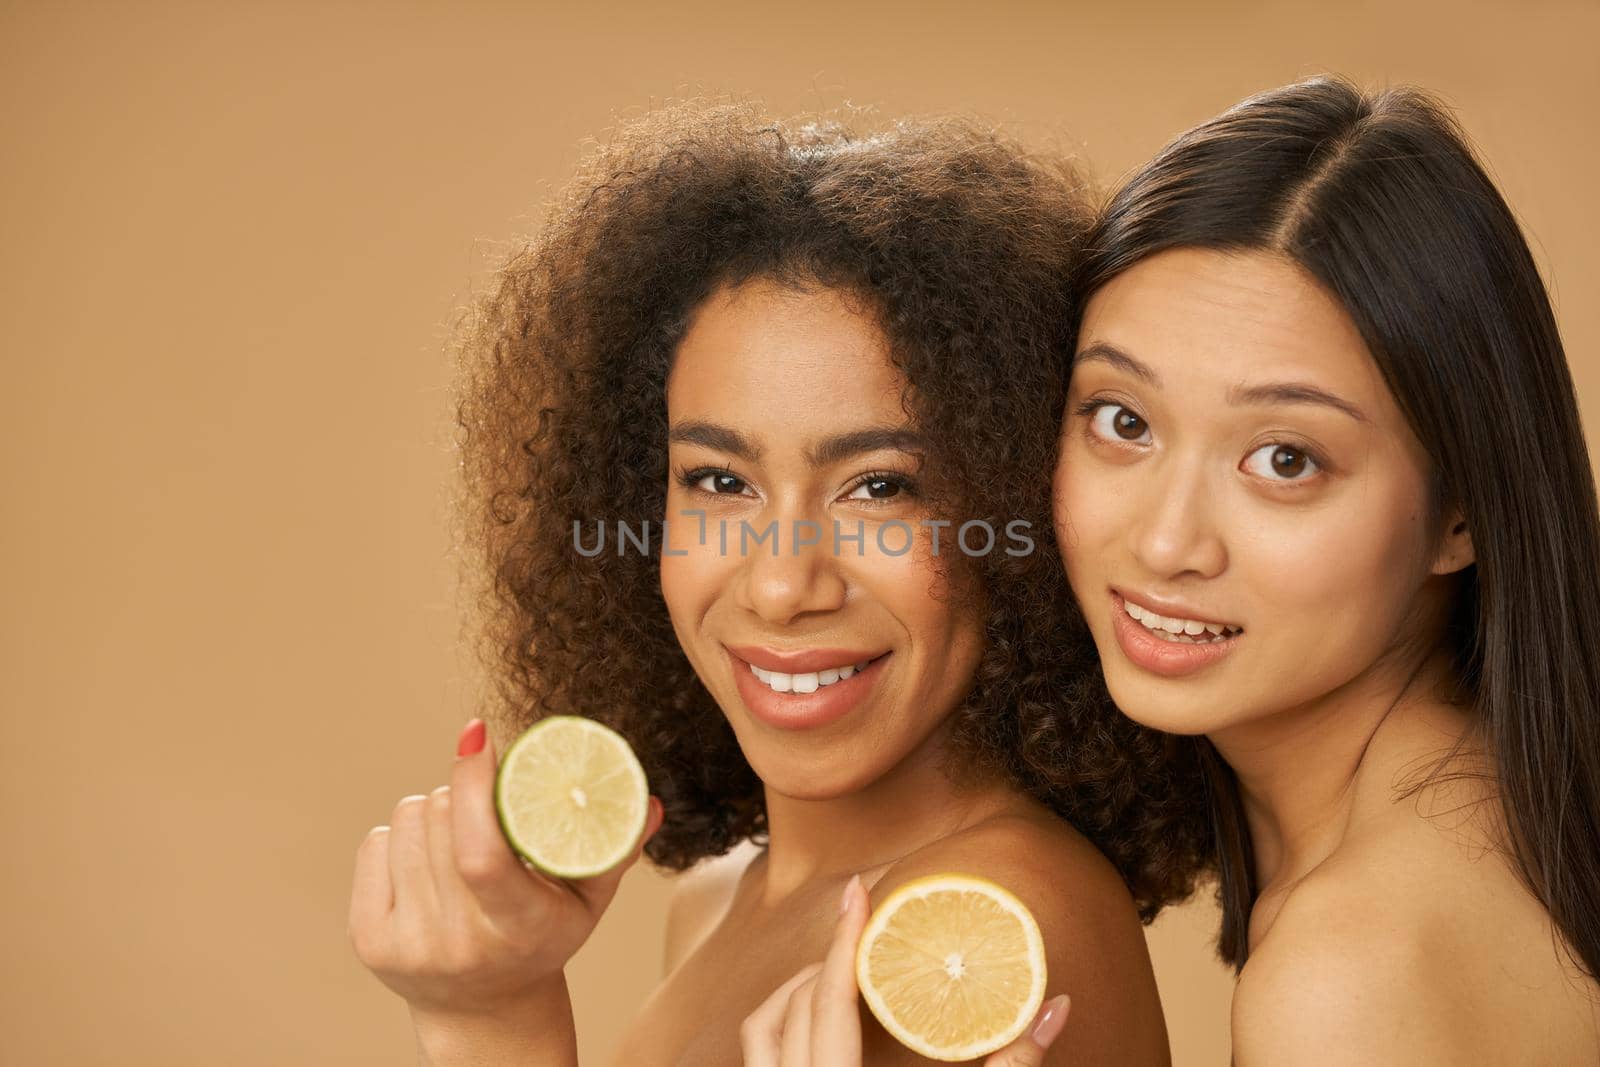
(1049, 865)
(1094, 942)
(1417, 947)
(1343, 979)
(700, 898)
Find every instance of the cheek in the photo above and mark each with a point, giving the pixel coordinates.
(1342, 579)
(692, 574)
(1088, 511)
(906, 587)
(932, 605)
(677, 585)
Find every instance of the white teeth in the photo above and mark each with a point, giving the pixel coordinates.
(805, 683)
(1185, 631)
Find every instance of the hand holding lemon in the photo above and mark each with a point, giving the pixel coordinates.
(951, 965)
(448, 915)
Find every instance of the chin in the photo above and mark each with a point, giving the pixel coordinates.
(1163, 706)
(816, 778)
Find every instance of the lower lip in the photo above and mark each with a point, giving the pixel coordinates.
(804, 711)
(1170, 659)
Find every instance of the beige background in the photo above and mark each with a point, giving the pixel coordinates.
(231, 241)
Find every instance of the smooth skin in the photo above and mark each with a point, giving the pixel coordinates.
(1232, 454)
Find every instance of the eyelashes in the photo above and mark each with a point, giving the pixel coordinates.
(1286, 461)
(691, 478)
(900, 483)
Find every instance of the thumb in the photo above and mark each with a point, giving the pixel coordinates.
(1028, 1050)
(596, 892)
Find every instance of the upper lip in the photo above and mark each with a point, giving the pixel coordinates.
(801, 661)
(1172, 609)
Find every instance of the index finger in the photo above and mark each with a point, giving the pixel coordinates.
(484, 858)
(835, 1018)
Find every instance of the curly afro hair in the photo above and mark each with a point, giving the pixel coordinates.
(964, 246)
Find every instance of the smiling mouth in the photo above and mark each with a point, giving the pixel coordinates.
(810, 681)
(1177, 630)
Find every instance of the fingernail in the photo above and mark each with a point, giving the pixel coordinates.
(1051, 1020)
(849, 893)
(472, 738)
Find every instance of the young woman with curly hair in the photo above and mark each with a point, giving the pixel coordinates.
(857, 345)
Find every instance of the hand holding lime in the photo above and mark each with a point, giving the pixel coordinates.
(572, 797)
(447, 915)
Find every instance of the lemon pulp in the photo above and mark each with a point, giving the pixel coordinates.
(952, 965)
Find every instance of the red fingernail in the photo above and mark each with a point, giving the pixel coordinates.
(472, 738)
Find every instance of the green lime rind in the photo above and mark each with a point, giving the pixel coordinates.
(534, 736)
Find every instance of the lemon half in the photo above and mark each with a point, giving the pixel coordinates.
(571, 796)
(952, 965)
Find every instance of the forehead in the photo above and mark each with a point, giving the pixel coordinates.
(1239, 316)
(778, 358)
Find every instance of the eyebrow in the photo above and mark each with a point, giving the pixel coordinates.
(710, 435)
(1271, 393)
(1103, 353)
(1292, 393)
(827, 451)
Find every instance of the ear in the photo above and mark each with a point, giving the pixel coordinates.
(1454, 551)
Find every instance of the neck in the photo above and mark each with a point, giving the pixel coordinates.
(1298, 769)
(914, 804)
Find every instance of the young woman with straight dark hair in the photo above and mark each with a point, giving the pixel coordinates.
(1325, 500)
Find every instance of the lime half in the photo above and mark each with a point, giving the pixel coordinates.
(572, 797)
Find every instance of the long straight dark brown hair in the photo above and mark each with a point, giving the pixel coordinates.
(1379, 197)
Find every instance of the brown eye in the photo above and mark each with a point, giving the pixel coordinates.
(1281, 463)
(1129, 426)
(1288, 463)
(1113, 422)
(720, 482)
(881, 487)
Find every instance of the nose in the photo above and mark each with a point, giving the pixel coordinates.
(790, 571)
(1175, 532)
